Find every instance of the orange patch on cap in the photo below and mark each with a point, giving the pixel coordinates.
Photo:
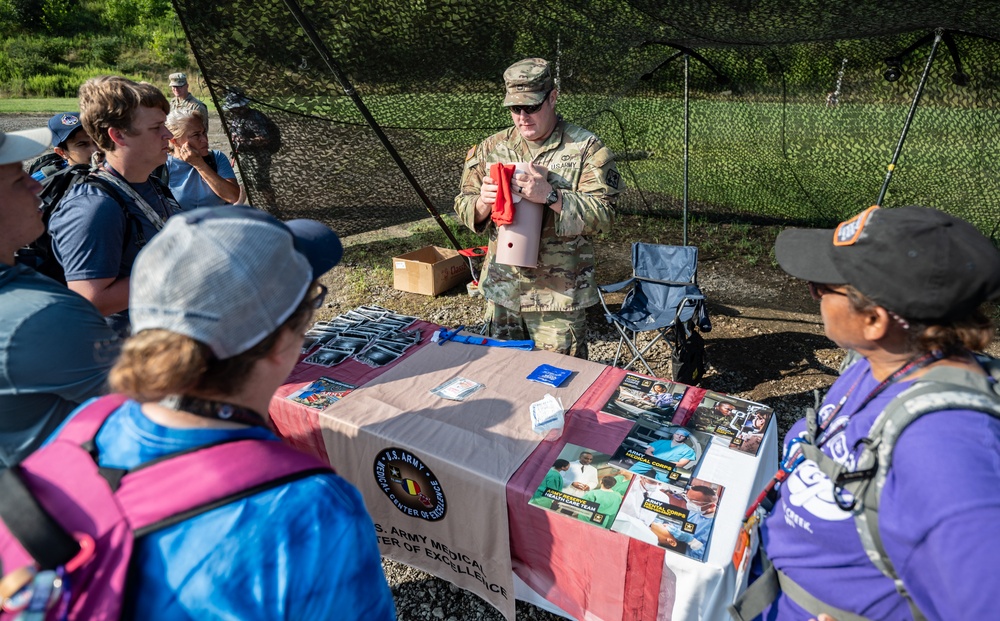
(848, 232)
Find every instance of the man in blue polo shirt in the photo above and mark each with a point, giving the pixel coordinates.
(55, 348)
(97, 229)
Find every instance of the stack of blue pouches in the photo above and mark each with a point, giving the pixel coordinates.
(548, 374)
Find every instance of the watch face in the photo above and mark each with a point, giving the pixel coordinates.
(552, 197)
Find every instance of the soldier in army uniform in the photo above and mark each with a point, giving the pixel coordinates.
(184, 99)
(573, 175)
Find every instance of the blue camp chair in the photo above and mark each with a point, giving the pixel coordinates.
(664, 297)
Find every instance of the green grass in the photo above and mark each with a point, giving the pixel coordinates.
(60, 104)
(799, 161)
(38, 106)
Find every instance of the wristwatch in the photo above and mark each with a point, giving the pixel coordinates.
(552, 197)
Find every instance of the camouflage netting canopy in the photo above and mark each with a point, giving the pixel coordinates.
(795, 107)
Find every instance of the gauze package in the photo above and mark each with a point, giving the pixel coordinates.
(547, 417)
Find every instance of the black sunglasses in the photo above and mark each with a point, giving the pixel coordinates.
(818, 290)
(528, 109)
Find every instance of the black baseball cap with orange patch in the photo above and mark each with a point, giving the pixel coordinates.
(920, 263)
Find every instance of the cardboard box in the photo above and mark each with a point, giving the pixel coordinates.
(429, 271)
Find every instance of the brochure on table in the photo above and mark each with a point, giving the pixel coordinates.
(321, 393)
(640, 397)
(736, 423)
(586, 485)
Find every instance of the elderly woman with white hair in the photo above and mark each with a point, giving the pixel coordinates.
(197, 176)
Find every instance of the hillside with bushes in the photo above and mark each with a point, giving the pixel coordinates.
(49, 47)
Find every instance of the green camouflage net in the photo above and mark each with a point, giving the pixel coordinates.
(791, 118)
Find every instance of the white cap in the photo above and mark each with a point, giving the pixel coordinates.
(23, 145)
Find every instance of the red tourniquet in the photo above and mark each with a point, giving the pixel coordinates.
(503, 209)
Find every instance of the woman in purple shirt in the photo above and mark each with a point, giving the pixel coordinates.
(903, 289)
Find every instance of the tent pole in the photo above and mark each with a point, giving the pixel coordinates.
(349, 90)
(687, 135)
(909, 117)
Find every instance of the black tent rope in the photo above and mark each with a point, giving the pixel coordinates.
(349, 90)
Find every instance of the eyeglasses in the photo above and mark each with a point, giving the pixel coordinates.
(528, 109)
(319, 297)
(818, 290)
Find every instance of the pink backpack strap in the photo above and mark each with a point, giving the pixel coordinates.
(86, 422)
(39, 533)
(208, 477)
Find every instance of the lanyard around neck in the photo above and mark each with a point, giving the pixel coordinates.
(113, 177)
(794, 456)
(824, 431)
(218, 410)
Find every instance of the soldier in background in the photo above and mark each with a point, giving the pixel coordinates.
(572, 174)
(184, 99)
(256, 138)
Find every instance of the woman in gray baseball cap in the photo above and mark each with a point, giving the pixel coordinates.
(849, 536)
(220, 301)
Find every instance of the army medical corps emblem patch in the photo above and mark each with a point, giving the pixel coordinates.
(409, 484)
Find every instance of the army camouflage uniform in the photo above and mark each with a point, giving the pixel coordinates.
(191, 102)
(548, 302)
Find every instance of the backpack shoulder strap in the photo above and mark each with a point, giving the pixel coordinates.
(48, 163)
(240, 468)
(132, 223)
(38, 532)
(148, 494)
(162, 184)
(940, 388)
(35, 529)
(84, 425)
(55, 186)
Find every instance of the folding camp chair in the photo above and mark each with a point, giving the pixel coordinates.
(664, 297)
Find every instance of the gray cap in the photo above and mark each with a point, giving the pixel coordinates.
(527, 82)
(178, 79)
(227, 277)
(23, 145)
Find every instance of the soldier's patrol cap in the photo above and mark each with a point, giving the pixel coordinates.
(527, 82)
(178, 79)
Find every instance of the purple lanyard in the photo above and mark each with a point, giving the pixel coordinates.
(794, 456)
(823, 433)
